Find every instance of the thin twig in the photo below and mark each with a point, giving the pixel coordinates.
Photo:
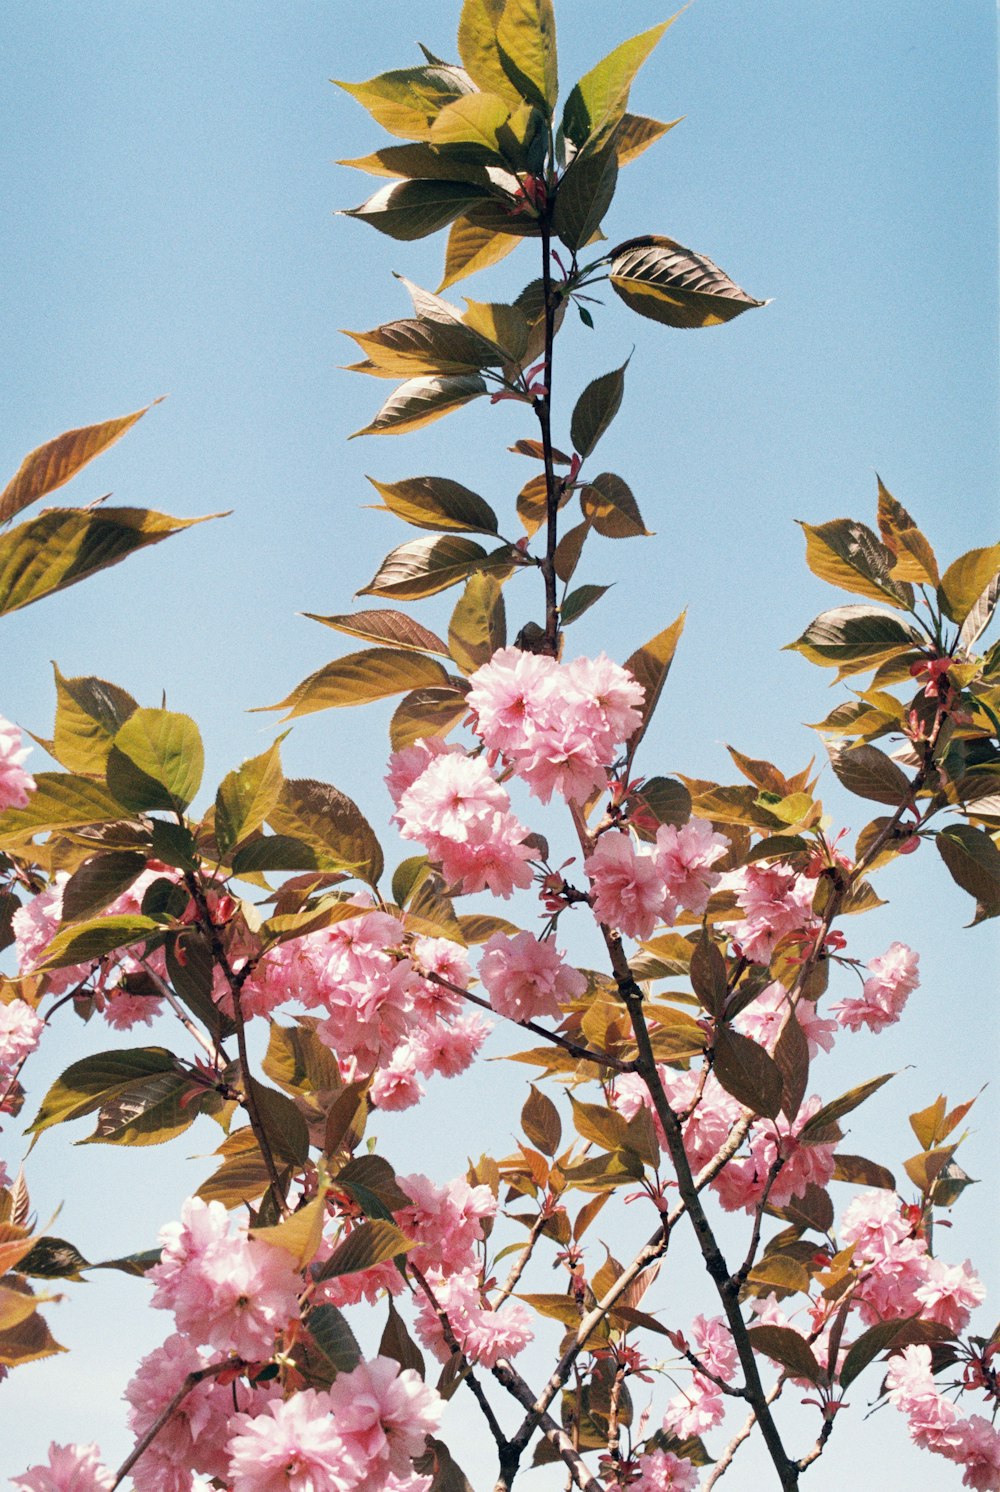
(191, 1381)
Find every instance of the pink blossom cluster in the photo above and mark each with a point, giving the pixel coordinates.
(558, 725)
(16, 785)
(700, 1407)
(777, 902)
(636, 886)
(482, 1334)
(381, 1008)
(763, 1019)
(936, 1425)
(228, 1292)
(453, 805)
(743, 1182)
(664, 1472)
(711, 1113)
(526, 979)
(892, 978)
(20, 1032)
(898, 1276)
(71, 1468)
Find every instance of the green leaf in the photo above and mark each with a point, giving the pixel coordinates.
(64, 545)
(284, 1126)
(407, 101)
(598, 102)
(89, 714)
(408, 348)
(156, 761)
(174, 844)
(526, 45)
(596, 408)
(747, 1072)
(425, 566)
(407, 210)
(439, 504)
(964, 581)
(973, 861)
(667, 800)
(426, 712)
(416, 160)
(870, 1343)
(386, 626)
(585, 193)
(281, 852)
(328, 821)
(580, 600)
(241, 1178)
(540, 1121)
(467, 129)
(609, 506)
(368, 1244)
(568, 551)
(789, 1348)
(361, 678)
(869, 773)
(477, 47)
(191, 969)
(659, 278)
(94, 1080)
(420, 401)
(246, 797)
(88, 941)
(847, 554)
(649, 666)
(60, 801)
(478, 625)
(148, 1111)
(98, 882)
(53, 464)
(813, 1131)
(299, 1062)
(854, 634)
(472, 246)
(371, 1181)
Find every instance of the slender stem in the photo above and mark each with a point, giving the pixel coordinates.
(582, 1053)
(235, 982)
(521, 1262)
(543, 409)
(191, 1381)
(215, 1054)
(743, 1434)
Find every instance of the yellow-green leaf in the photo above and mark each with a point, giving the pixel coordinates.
(439, 504)
(477, 47)
(407, 101)
(246, 797)
(478, 625)
(89, 714)
(424, 567)
(156, 761)
(420, 401)
(649, 666)
(964, 581)
(598, 101)
(659, 278)
(53, 464)
(360, 678)
(384, 625)
(526, 42)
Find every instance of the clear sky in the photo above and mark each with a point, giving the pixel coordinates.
(168, 192)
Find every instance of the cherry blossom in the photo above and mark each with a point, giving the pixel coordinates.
(71, 1468)
(527, 979)
(16, 786)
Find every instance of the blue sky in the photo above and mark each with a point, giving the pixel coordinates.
(169, 190)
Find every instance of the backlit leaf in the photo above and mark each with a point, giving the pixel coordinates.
(384, 625)
(526, 44)
(54, 463)
(322, 816)
(477, 47)
(467, 128)
(425, 566)
(540, 1121)
(439, 504)
(360, 678)
(88, 941)
(878, 1338)
(608, 504)
(787, 1347)
(246, 797)
(89, 714)
(472, 246)
(747, 1072)
(156, 761)
(86, 1084)
(368, 1244)
(64, 545)
(406, 101)
(419, 402)
(478, 625)
(598, 102)
(580, 600)
(638, 133)
(148, 1111)
(415, 346)
(964, 581)
(585, 194)
(847, 554)
(973, 860)
(649, 666)
(416, 160)
(854, 633)
(659, 278)
(812, 1131)
(426, 712)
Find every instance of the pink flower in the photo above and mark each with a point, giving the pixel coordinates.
(526, 979)
(978, 1452)
(665, 1472)
(406, 766)
(71, 1468)
(627, 885)
(20, 1032)
(16, 785)
(683, 857)
(512, 696)
(715, 1348)
(446, 1221)
(35, 925)
(484, 1335)
(741, 1184)
(395, 1086)
(893, 978)
(193, 1440)
(909, 1378)
(694, 1410)
(763, 1019)
(294, 1446)
(457, 810)
(449, 1048)
(383, 1415)
(949, 1293)
(230, 1293)
(777, 902)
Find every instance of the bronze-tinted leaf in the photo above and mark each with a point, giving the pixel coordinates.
(417, 160)
(659, 278)
(64, 545)
(585, 193)
(407, 101)
(608, 504)
(361, 678)
(86, 942)
(384, 625)
(813, 1131)
(420, 401)
(426, 712)
(596, 408)
(540, 1121)
(580, 600)
(415, 346)
(869, 773)
(649, 666)
(638, 133)
(327, 819)
(747, 1072)
(96, 883)
(439, 504)
(964, 581)
(368, 1244)
(849, 555)
(860, 1171)
(425, 566)
(787, 1347)
(973, 860)
(54, 463)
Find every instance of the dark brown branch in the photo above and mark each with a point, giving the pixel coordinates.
(191, 1381)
